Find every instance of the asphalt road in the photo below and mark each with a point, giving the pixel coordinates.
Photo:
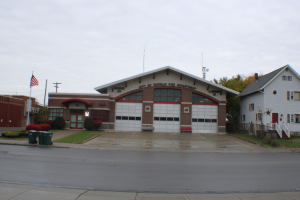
(138, 171)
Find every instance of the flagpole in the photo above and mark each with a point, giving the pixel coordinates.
(29, 101)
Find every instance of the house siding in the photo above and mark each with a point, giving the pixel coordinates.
(278, 103)
(258, 100)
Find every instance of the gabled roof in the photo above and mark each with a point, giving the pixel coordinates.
(263, 81)
(103, 87)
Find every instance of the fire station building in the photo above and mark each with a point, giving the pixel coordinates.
(161, 100)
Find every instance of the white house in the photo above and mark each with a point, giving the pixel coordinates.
(273, 98)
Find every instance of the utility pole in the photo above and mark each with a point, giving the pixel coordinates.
(56, 85)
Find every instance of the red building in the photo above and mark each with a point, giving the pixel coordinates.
(13, 110)
(166, 99)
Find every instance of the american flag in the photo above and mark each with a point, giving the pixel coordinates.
(33, 81)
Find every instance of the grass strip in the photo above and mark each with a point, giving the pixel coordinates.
(253, 139)
(288, 143)
(79, 137)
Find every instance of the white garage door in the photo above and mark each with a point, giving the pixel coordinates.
(166, 118)
(128, 116)
(204, 119)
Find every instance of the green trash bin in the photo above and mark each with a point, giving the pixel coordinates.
(45, 138)
(32, 136)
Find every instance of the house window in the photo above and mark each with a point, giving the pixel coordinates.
(167, 95)
(284, 78)
(291, 95)
(55, 112)
(297, 120)
(289, 78)
(101, 115)
(296, 96)
(251, 107)
(292, 118)
(258, 116)
(196, 98)
(138, 96)
(244, 118)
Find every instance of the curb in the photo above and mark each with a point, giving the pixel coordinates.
(93, 137)
(249, 141)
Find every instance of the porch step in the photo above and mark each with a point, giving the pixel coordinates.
(284, 136)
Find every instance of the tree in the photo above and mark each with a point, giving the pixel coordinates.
(237, 83)
(42, 114)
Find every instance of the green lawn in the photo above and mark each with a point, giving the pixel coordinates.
(79, 137)
(253, 139)
(289, 143)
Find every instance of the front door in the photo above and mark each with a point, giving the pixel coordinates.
(275, 118)
(76, 121)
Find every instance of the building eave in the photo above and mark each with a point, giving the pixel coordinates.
(161, 69)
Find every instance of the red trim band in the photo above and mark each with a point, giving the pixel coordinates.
(167, 102)
(76, 99)
(127, 101)
(205, 103)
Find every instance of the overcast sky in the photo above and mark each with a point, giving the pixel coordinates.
(85, 44)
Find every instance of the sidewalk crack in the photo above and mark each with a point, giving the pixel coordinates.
(187, 196)
(19, 194)
(82, 194)
(135, 196)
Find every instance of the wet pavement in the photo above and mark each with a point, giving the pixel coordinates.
(162, 142)
(174, 142)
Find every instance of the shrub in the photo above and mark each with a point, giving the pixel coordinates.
(88, 123)
(45, 127)
(23, 133)
(33, 127)
(59, 123)
(97, 124)
(269, 139)
(12, 134)
(50, 122)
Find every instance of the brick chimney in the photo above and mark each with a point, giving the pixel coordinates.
(256, 76)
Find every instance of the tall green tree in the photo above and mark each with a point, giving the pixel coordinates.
(42, 114)
(237, 83)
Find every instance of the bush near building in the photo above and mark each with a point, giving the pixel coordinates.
(59, 123)
(89, 123)
(14, 133)
(97, 124)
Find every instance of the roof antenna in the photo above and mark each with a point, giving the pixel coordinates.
(144, 60)
(204, 69)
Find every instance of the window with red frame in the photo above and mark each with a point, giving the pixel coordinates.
(138, 96)
(101, 115)
(196, 98)
(55, 112)
(167, 95)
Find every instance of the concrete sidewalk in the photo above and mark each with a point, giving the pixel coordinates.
(11, 191)
(161, 142)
